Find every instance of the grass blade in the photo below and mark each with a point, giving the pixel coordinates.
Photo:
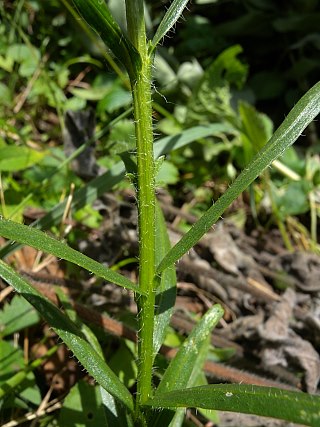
(98, 16)
(170, 18)
(297, 120)
(41, 241)
(292, 406)
(71, 335)
(181, 367)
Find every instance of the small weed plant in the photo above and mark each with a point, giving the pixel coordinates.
(178, 388)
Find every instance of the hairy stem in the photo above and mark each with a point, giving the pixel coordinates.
(141, 90)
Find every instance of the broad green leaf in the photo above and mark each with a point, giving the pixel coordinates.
(71, 335)
(98, 16)
(180, 369)
(123, 364)
(5, 94)
(166, 290)
(168, 174)
(13, 158)
(90, 94)
(109, 179)
(6, 63)
(294, 191)
(11, 361)
(170, 18)
(17, 315)
(14, 373)
(292, 406)
(26, 55)
(289, 131)
(82, 407)
(211, 99)
(256, 126)
(37, 239)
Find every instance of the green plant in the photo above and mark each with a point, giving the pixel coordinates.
(155, 293)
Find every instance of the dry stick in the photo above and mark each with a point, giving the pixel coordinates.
(23, 96)
(52, 406)
(5, 292)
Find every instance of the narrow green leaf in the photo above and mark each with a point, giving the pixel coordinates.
(166, 290)
(180, 369)
(168, 417)
(37, 239)
(292, 406)
(173, 142)
(71, 335)
(170, 18)
(109, 179)
(97, 14)
(289, 131)
(113, 410)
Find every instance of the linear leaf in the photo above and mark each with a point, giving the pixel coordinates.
(97, 14)
(166, 290)
(173, 142)
(168, 417)
(38, 239)
(180, 369)
(71, 335)
(292, 406)
(289, 131)
(113, 411)
(170, 18)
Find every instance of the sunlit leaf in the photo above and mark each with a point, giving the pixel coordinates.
(14, 158)
(98, 16)
(37, 239)
(170, 18)
(292, 406)
(181, 367)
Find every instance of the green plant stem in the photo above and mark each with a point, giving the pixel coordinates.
(142, 106)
